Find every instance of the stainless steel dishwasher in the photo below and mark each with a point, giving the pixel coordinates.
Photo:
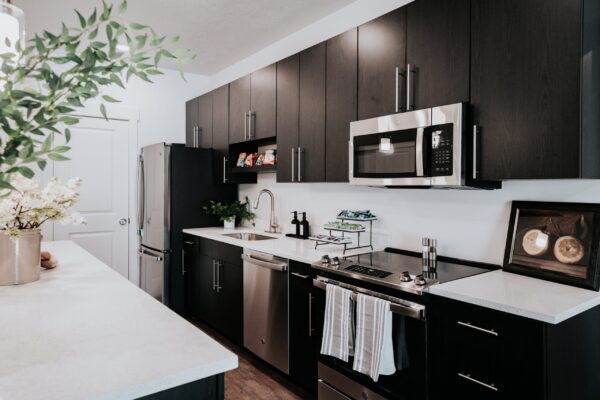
(266, 307)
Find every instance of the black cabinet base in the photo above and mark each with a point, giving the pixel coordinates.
(211, 388)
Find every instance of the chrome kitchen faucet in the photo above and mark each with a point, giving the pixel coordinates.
(272, 224)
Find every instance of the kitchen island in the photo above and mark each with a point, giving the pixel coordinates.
(84, 331)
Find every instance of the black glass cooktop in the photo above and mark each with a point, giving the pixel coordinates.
(360, 269)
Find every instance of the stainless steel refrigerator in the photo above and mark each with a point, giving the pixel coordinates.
(174, 182)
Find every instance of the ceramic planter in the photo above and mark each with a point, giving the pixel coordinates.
(229, 224)
(20, 260)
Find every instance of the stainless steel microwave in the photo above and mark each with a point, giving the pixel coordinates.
(422, 148)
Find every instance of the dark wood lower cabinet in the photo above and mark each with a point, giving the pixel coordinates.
(211, 388)
(478, 353)
(303, 330)
(214, 285)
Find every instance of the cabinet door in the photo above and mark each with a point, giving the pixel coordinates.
(200, 293)
(303, 354)
(205, 121)
(263, 102)
(381, 50)
(191, 121)
(230, 318)
(525, 75)
(239, 105)
(221, 133)
(342, 62)
(311, 136)
(437, 50)
(288, 97)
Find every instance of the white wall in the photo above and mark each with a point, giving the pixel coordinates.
(468, 224)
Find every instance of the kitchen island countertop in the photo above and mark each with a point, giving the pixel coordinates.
(84, 331)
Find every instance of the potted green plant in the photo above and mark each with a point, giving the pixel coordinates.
(229, 213)
(42, 85)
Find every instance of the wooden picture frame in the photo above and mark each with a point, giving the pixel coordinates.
(555, 241)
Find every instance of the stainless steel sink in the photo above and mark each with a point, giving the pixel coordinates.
(248, 236)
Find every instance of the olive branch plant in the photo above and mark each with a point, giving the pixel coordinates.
(45, 81)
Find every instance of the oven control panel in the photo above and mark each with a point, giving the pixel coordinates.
(442, 154)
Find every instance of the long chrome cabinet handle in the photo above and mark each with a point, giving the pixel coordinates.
(475, 131)
(183, 271)
(224, 169)
(293, 164)
(310, 328)
(140, 194)
(407, 87)
(300, 164)
(477, 328)
(300, 275)
(246, 125)
(487, 385)
(251, 116)
(214, 265)
(397, 83)
(218, 286)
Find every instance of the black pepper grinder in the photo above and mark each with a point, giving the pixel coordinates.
(304, 226)
(296, 222)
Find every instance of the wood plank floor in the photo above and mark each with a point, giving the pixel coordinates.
(254, 379)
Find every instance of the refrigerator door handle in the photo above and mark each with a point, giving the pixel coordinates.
(141, 195)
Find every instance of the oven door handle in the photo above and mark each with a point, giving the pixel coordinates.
(400, 306)
(419, 153)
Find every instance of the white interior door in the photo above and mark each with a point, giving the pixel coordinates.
(99, 156)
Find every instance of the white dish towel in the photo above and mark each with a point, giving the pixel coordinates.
(374, 352)
(338, 327)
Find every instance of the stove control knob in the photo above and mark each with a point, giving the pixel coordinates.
(405, 277)
(325, 259)
(420, 280)
(335, 261)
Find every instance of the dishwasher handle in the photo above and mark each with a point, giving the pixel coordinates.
(277, 266)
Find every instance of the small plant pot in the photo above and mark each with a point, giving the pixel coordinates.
(229, 224)
(20, 258)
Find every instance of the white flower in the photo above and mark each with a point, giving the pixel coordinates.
(28, 206)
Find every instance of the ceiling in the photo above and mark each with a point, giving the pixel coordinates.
(219, 32)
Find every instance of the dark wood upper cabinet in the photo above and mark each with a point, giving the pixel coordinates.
(526, 89)
(205, 121)
(341, 102)
(239, 105)
(381, 52)
(263, 84)
(311, 136)
(437, 49)
(288, 98)
(221, 133)
(191, 122)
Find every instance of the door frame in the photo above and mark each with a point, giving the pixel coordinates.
(131, 115)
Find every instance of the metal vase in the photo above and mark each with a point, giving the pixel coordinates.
(20, 260)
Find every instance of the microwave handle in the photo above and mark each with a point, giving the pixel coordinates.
(419, 152)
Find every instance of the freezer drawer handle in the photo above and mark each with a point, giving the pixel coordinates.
(144, 254)
(477, 328)
(470, 379)
(282, 267)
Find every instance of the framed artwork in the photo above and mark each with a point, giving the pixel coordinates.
(554, 241)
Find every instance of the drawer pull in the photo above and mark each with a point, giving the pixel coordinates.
(477, 328)
(468, 377)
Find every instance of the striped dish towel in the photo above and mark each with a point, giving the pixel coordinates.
(374, 353)
(338, 327)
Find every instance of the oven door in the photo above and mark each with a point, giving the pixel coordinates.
(391, 150)
(408, 382)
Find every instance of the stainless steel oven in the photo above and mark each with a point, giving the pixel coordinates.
(423, 148)
(337, 379)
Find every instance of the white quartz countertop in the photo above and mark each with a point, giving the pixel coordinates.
(520, 295)
(283, 246)
(84, 332)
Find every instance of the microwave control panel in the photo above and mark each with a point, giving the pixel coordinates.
(442, 154)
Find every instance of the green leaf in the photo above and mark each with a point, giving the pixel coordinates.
(26, 172)
(93, 34)
(110, 99)
(57, 157)
(69, 120)
(81, 19)
(103, 111)
(4, 184)
(47, 144)
(41, 164)
(61, 149)
(7, 42)
(67, 135)
(123, 7)
(93, 17)
(137, 27)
